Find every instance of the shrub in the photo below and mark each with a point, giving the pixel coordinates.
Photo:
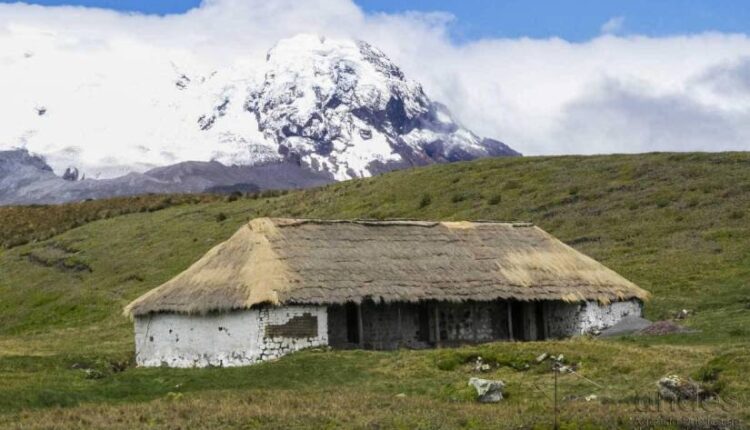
(425, 201)
(708, 373)
(449, 360)
(496, 199)
(737, 332)
(234, 196)
(221, 216)
(736, 215)
(458, 197)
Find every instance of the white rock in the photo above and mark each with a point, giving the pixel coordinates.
(488, 391)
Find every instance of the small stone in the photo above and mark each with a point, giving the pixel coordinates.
(401, 395)
(93, 374)
(481, 366)
(541, 357)
(488, 391)
(591, 397)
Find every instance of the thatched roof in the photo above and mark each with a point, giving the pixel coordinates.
(278, 261)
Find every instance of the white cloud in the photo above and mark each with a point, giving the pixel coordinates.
(107, 80)
(613, 25)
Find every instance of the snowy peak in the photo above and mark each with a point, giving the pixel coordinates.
(344, 107)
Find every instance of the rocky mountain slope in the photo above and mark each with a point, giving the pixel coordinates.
(27, 179)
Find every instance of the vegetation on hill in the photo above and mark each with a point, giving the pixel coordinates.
(23, 224)
(678, 225)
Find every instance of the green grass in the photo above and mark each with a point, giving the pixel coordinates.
(678, 225)
(23, 224)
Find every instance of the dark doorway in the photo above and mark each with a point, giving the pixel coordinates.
(540, 328)
(517, 313)
(423, 332)
(352, 323)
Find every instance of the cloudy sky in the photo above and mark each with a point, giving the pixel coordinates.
(582, 77)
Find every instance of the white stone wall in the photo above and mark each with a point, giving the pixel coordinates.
(235, 338)
(570, 319)
(595, 316)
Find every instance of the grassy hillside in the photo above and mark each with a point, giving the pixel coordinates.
(676, 224)
(23, 224)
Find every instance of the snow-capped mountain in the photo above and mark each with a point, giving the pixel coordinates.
(337, 108)
(343, 107)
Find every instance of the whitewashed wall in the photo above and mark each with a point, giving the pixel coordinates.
(595, 316)
(226, 339)
(570, 319)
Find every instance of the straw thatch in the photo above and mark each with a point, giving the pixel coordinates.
(279, 261)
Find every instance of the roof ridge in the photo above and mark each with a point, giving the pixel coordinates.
(291, 222)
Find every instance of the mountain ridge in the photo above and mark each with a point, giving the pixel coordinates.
(27, 179)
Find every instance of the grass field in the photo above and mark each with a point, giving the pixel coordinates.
(678, 225)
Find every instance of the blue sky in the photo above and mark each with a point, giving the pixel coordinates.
(573, 20)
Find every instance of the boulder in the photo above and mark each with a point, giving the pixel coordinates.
(488, 391)
(675, 388)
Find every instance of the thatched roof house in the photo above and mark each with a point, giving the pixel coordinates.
(339, 265)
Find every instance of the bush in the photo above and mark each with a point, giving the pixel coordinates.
(495, 200)
(234, 196)
(221, 216)
(457, 198)
(449, 360)
(425, 201)
(737, 332)
(708, 373)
